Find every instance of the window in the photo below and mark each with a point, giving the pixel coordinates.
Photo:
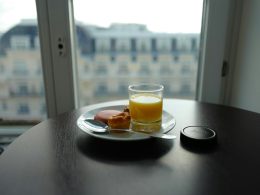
(20, 37)
(112, 58)
(20, 62)
(174, 44)
(113, 45)
(43, 108)
(92, 46)
(101, 70)
(154, 45)
(23, 90)
(123, 45)
(36, 43)
(165, 70)
(4, 106)
(86, 68)
(39, 69)
(183, 44)
(103, 45)
(101, 89)
(20, 42)
(176, 58)
(41, 93)
(138, 29)
(20, 68)
(185, 89)
(123, 69)
(122, 88)
(133, 45)
(144, 70)
(133, 58)
(23, 109)
(155, 57)
(146, 41)
(143, 45)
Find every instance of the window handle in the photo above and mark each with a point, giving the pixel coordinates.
(224, 71)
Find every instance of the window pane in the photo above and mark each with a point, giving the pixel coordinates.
(126, 42)
(22, 98)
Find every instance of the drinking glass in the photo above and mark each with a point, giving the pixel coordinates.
(146, 107)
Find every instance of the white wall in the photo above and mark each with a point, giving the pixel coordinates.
(245, 91)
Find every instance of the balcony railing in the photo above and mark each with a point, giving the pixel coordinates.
(26, 93)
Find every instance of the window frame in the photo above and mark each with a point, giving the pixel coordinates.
(57, 40)
(59, 67)
(219, 34)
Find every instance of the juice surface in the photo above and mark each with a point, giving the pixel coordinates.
(145, 108)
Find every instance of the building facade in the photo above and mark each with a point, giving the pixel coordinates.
(113, 57)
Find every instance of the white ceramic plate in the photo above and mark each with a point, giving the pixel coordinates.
(168, 122)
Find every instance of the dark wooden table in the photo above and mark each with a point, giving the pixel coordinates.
(56, 157)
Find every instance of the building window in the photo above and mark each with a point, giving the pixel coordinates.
(164, 48)
(122, 89)
(42, 90)
(154, 45)
(43, 109)
(143, 47)
(101, 89)
(113, 45)
(36, 42)
(174, 44)
(23, 90)
(123, 44)
(86, 68)
(20, 42)
(184, 44)
(102, 45)
(4, 106)
(144, 70)
(133, 58)
(20, 68)
(123, 47)
(123, 69)
(155, 58)
(101, 70)
(196, 57)
(133, 45)
(176, 58)
(193, 44)
(39, 68)
(112, 58)
(185, 70)
(144, 44)
(93, 45)
(23, 109)
(185, 89)
(165, 70)
(167, 89)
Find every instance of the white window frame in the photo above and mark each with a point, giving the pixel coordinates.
(221, 21)
(57, 38)
(56, 26)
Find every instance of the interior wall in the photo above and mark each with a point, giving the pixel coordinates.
(245, 91)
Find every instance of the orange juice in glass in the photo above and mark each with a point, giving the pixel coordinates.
(146, 105)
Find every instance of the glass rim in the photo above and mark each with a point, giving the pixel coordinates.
(158, 87)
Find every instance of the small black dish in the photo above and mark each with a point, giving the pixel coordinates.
(198, 136)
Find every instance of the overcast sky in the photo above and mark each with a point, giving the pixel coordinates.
(159, 15)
